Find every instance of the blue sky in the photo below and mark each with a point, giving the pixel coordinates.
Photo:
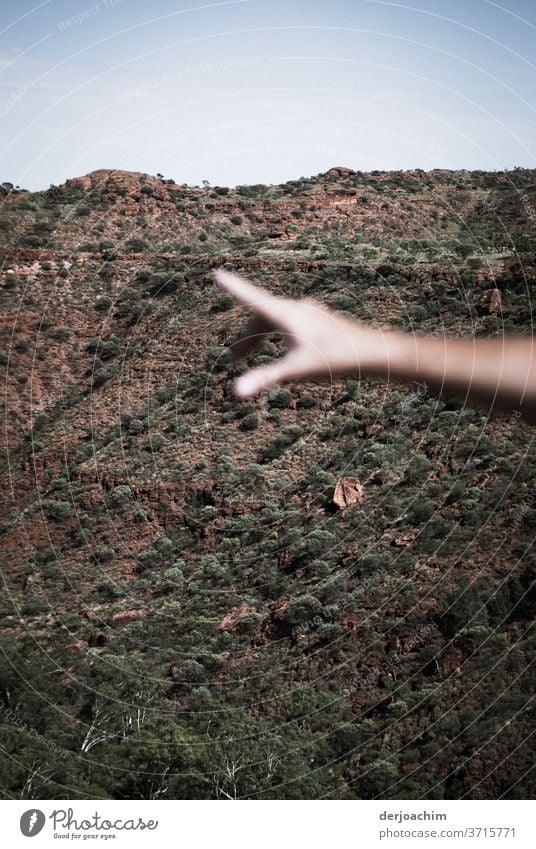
(249, 91)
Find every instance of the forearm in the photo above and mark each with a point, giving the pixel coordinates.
(498, 373)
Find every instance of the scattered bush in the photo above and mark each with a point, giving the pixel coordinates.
(136, 245)
(250, 422)
(104, 553)
(279, 398)
(57, 511)
(103, 304)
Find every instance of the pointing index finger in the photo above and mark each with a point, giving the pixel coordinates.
(262, 302)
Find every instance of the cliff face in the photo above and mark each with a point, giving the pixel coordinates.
(90, 237)
(410, 204)
(147, 514)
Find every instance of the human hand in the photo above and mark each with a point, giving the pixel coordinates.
(322, 342)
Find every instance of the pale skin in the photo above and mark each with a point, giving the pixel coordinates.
(496, 373)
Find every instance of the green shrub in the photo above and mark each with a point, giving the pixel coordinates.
(172, 608)
(164, 283)
(276, 447)
(222, 302)
(308, 401)
(279, 398)
(293, 431)
(41, 421)
(192, 672)
(103, 304)
(44, 324)
(121, 495)
(421, 510)
(148, 558)
(130, 305)
(31, 240)
(61, 334)
(175, 575)
(106, 348)
(136, 245)
(57, 511)
(104, 553)
(249, 624)
(301, 609)
(156, 442)
(102, 375)
(249, 422)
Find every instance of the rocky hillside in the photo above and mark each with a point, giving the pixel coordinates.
(325, 592)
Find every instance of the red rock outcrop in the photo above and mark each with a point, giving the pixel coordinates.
(491, 301)
(340, 171)
(231, 619)
(348, 491)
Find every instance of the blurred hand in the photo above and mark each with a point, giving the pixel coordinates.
(499, 372)
(321, 342)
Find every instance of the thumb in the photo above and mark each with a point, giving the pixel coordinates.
(265, 377)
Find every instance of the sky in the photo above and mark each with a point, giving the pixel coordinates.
(263, 91)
